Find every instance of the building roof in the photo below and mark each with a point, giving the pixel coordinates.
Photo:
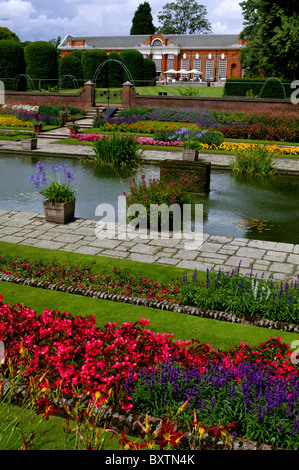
(198, 41)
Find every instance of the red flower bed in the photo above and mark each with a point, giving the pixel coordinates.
(258, 132)
(80, 358)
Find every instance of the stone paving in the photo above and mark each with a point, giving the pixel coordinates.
(268, 258)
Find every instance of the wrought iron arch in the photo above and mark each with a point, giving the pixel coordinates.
(28, 79)
(273, 78)
(74, 80)
(127, 71)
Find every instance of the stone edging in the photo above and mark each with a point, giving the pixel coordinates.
(187, 310)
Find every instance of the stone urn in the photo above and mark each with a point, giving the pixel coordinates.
(59, 212)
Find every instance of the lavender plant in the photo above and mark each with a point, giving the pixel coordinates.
(264, 406)
(243, 295)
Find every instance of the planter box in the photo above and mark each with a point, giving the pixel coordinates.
(38, 128)
(60, 212)
(29, 144)
(190, 155)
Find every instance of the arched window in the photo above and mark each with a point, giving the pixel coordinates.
(157, 42)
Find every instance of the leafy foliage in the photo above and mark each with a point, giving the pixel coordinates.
(142, 22)
(41, 63)
(183, 17)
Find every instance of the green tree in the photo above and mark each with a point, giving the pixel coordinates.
(70, 65)
(184, 17)
(5, 33)
(142, 22)
(272, 31)
(133, 60)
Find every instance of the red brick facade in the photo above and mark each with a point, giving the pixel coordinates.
(216, 56)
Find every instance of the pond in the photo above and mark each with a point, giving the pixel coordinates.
(262, 208)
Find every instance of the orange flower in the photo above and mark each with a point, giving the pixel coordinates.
(168, 436)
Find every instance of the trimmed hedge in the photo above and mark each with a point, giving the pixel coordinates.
(115, 71)
(12, 64)
(70, 65)
(91, 60)
(149, 71)
(252, 87)
(42, 63)
(134, 62)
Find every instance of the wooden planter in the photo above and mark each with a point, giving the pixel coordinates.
(29, 144)
(60, 212)
(190, 155)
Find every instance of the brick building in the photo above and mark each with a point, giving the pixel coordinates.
(216, 56)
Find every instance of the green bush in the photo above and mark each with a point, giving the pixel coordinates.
(55, 110)
(12, 64)
(134, 61)
(118, 151)
(70, 65)
(115, 71)
(149, 72)
(253, 160)
(253, 87)
(42, 63)
(91, 60)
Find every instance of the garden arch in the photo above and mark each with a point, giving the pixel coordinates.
(273, 78)
(127, 71)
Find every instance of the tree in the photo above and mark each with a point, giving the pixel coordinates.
(184, 17)
(70, 65)
(5, 33)
(91, 60)
(115, 71)
(272, 31)
(142, 22)
(133, 60)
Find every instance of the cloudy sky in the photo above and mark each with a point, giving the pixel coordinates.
(34, 20)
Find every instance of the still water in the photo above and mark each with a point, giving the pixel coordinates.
(263, 208)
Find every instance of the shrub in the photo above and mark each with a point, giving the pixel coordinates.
(115, 71)
(12, 64)
(149, 72)
(253, 160)
(272, 89)
(133, 60)
(70, 65)
(91, 60)
(42, 63)
(118, 151)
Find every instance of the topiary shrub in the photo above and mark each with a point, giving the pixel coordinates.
(70, 65)
(134, 61)
(91, 60)
(12, 64)
(115, 71)
(149, 72)
(42, 64)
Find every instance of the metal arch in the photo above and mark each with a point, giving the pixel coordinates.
(95, 77)
(74, 80)
(28, 78)
(272, 78)
(153, 80)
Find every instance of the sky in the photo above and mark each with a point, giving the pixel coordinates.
(40, 20)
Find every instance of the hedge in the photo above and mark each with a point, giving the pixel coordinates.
(149, 72)
(91, 60)
(254, 86)
(12, 64)
(115, 71)
(70, 65)
(133, 60)
(42, 63)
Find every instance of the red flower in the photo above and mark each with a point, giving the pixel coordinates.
(167, 435)
(46, 407)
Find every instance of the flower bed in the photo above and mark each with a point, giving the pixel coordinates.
(259, 132)
(13, 121)
(70, 356)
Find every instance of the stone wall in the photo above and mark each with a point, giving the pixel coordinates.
(131, 99)
(84, 100)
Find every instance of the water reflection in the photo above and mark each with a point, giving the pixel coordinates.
(229, 208)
